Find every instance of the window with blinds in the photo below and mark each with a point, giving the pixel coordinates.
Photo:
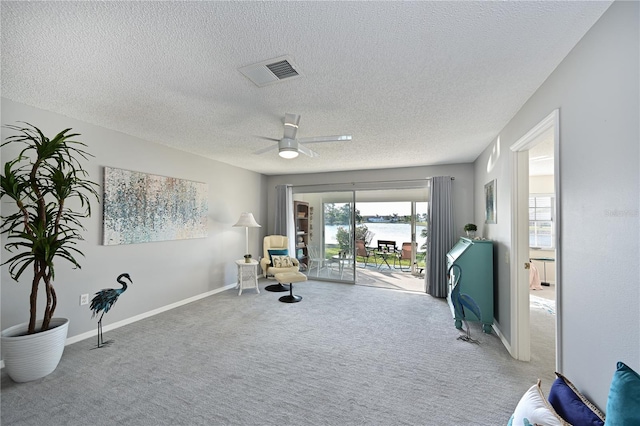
(541, 221)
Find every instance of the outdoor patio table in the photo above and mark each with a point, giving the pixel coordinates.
(384, 254)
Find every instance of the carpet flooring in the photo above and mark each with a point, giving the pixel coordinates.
(344, 355)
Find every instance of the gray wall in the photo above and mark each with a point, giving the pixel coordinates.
(596, 89)
(462, 185)
(163, 272)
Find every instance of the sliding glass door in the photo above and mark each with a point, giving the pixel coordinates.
(397, 217)
(330, 245)
(346, 227)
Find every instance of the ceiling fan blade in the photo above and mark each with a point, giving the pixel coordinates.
(306, 151)
(317, 139)
(267, 149)
(268, 139)
(291, 125)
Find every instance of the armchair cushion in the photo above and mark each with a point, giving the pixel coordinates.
(282, 261)
(277, 252)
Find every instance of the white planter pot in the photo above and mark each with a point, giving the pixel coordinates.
(33, 356)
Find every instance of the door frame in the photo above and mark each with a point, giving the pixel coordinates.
(519, 276)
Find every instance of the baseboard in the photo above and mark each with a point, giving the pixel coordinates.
(504, 341)
(92, 334)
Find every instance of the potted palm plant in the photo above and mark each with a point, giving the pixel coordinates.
(50, 194)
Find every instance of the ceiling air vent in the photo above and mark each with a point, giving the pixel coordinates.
(271, 71)
(282, 69)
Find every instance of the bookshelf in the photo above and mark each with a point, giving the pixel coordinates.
(301, 216)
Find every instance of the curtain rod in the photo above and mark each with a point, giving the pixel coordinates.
(368, 182)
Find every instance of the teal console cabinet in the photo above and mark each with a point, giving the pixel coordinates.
(475, 259)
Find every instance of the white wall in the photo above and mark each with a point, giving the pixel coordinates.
(541, 185)
(163, 272)
(596, 88)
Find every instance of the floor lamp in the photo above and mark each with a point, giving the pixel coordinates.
(247, 221)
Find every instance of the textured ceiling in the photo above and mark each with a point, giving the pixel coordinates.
(415, 83)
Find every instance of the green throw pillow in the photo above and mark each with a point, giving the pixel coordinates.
(277, 252)
(623, 403)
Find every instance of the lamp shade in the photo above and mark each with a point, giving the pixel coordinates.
(247, 220)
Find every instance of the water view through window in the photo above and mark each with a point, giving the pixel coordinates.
(384, 221)
(398, 232)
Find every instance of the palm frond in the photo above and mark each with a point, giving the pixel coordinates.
(46, 173)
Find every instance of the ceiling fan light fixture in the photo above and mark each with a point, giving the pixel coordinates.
(289, 147)
(288, 153)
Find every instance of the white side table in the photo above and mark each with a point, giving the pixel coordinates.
(247, 274)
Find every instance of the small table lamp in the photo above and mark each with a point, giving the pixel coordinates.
(247, 220)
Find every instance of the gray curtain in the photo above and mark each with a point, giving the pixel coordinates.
(440, 235)
(284, 214)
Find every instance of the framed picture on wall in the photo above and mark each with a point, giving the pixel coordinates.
(140, 208)
(490, 200)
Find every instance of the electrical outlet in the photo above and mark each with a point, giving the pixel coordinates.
(84, 299)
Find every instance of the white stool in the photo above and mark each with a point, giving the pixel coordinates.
(290, 278)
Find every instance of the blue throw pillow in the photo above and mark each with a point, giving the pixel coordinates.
(571, 405)
(279, 252)
(623, 403)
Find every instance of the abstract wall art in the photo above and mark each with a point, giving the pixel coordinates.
(490, 202)
(141, 207)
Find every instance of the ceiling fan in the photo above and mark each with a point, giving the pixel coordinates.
(289, 147)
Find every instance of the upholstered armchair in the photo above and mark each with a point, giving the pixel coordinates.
(278, 244)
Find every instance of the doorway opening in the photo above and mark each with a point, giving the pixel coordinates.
(535, 242)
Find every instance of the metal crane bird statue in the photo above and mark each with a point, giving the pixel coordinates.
(104, 300)
(462, 300)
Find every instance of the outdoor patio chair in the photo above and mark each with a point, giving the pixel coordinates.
(315, 261)
(387, 246)
(404, 254)
(386, 250)
(362, 251)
